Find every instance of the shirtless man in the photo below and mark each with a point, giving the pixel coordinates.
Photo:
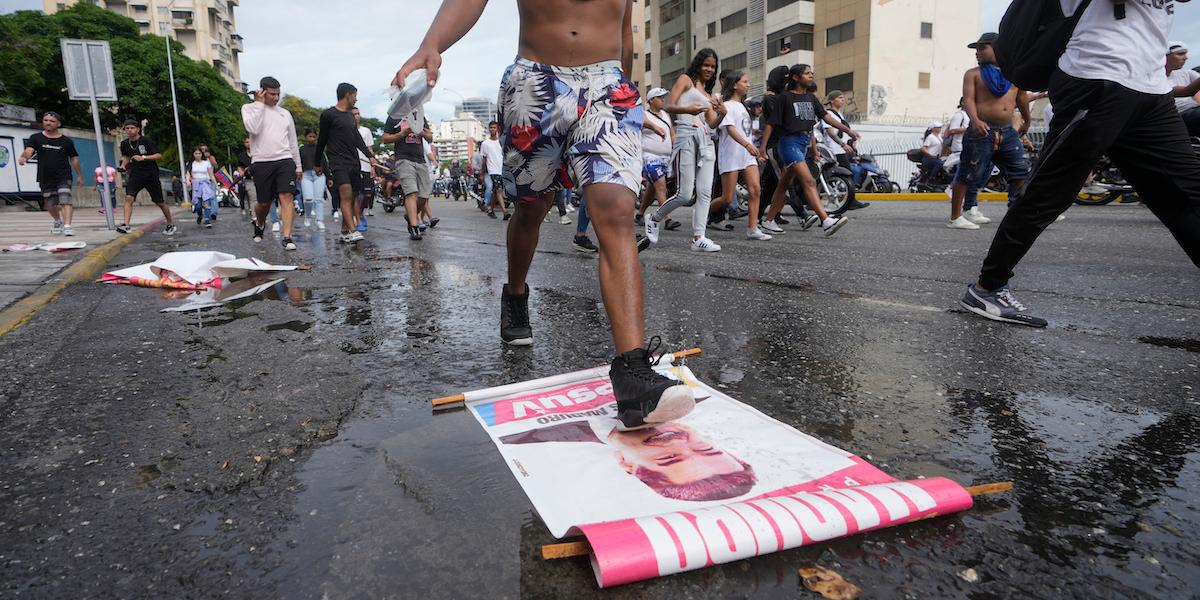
(569, 48)
(989, 100)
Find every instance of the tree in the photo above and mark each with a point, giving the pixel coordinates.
(32, 75)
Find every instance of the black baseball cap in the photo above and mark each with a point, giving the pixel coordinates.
(987, 39)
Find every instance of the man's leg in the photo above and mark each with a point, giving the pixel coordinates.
(412, 209)
(1088, 119)
(52, 207)
(1155, 155)
(287, 212)
(611, 211)
(498, 200)
(522, 238)
(67, 212)
(129, 199)
(346, 192)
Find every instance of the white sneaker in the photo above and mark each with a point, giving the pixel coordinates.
(370, 213)
(570, 208)
(56, 228)
(275, 227)
(564, 220)
(547, 218)
(772, 226)
(321, 225)
(809, 221)
(949, 193)
(831, 225)
(356, 236)
(961, 223)
(704, 245)
(754, 234)
(976, 217)
(652, 229)
(308, 222)
(1060, 218)
(67, 231)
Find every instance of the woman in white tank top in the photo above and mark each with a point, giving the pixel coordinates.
(204, 195)
(697, 113)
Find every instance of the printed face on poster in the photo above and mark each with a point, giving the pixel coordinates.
(563, 446)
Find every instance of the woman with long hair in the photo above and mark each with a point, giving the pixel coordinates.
(697, 112)
(799, 111)
(737, 155)
(204, 195)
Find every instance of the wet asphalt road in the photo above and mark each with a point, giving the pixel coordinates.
(284, 446)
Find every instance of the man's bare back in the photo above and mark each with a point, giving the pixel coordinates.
(992, 110)
(571, 33)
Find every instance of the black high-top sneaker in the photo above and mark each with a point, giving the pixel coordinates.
(514, 318)
(644, 397)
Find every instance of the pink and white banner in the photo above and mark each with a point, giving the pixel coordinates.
(722, 484)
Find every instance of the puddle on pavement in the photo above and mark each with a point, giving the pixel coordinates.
(297, 326)
(1177, 343)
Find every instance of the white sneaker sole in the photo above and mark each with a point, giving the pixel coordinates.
(836, 226)
(520, 342)
(987, 315)
(675, 403)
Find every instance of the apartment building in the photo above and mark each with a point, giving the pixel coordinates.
(206, 28)
(899, 61)
(484, 109)
(456, 138)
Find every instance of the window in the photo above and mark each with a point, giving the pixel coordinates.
(923, 80)
(671, 10)
(737, 61)
(733, 21)
(927, 31)
(712, 29)
(647, 29)
(844, 82)
(796, 37)
(647, 61)
(778, 4)
(839, 33)
(673, 46)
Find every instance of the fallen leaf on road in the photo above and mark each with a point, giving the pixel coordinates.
(304, 268)
(257, 459)
(969, 576)
(829, 584)
(306, 421)
(225, 466)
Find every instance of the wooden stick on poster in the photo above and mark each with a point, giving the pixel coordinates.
(460, 398)
(582, 548)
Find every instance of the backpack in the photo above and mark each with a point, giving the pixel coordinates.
(1033, 35)
(914, 155)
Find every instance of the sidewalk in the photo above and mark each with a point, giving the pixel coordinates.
(22, 273)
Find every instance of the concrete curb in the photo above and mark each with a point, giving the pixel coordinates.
(929, 197)
(84, 269)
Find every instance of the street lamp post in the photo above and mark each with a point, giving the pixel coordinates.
(175, 109)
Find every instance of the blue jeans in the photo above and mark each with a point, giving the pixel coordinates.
(112, 194)
(978, 154)
(931, 166)
(204, 198)
(312, 188)
(487, 190)
(581, 225)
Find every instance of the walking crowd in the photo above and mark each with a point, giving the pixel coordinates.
(571, 120)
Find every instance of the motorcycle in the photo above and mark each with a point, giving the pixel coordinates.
(945, 176)
(835, 183)
(869, 178)
(1107, 185)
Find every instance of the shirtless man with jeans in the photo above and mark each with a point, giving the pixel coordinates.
(989, 101)
(569, 49)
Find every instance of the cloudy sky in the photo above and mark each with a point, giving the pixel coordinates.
(312, 45)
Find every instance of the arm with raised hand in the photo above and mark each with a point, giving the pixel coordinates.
(454, 19)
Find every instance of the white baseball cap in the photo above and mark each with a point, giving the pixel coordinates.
(935, 124)
(655, 93)
(1176, 47)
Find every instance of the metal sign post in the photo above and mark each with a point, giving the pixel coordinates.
(88, 67)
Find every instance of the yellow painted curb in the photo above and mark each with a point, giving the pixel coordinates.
(934, 197)
(84, 269)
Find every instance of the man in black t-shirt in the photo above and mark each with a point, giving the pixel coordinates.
(411, 167)
(139, 158)
(339, 142)
(56, 156)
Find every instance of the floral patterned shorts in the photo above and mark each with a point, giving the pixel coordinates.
(567, 127)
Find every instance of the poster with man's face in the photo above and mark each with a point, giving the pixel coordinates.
(725, 482)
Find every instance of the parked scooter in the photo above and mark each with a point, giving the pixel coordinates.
(869, 178)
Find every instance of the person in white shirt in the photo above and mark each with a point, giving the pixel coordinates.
(737, 156)
(1180, 78)
(658, 137)
(1111, 97)
(931, 152)
(366, 199)
(204, 196)
(276, 157)
(492, 159)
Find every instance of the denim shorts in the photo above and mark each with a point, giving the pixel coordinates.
(793, 148)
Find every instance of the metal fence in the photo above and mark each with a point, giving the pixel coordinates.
(891, 155)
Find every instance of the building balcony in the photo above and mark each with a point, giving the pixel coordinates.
(235, 43)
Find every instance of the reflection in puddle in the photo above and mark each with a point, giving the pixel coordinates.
(1177, 343)
(297, 326)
